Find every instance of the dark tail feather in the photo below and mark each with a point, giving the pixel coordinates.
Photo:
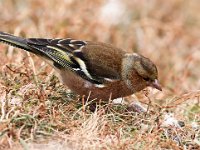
(14, 41)
(22, 43)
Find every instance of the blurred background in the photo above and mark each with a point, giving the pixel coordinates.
(167, 32)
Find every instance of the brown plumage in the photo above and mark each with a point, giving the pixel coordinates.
(92, 68)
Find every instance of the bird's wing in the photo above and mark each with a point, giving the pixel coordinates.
(71, 54)
(103, 60)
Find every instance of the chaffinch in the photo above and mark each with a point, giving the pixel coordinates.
(94, 69)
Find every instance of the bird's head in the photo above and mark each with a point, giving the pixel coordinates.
(145, 68)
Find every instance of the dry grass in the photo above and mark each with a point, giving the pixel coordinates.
(37, 112)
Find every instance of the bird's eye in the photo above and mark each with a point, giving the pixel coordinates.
(147, 79)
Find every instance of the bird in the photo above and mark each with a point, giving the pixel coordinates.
(96, 70)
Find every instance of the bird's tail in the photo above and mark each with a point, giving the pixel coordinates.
(14, 41)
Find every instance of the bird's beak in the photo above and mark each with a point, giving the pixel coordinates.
(156, 84)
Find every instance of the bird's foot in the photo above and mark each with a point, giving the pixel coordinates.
(136, 107)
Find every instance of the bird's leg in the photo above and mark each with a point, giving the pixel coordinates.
(134, 105)
(92, 104)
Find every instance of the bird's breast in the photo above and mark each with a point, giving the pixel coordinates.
(82, 87)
